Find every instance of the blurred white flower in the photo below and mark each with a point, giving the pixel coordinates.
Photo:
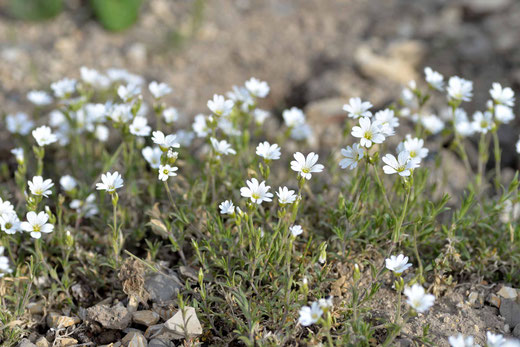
(222, 147)
(357, 108)
(152, 156)
(260, 115)
(68, 183)
(158, 90)
(165, 142)
(64, 88)
(504, 114)
(257, 88)
(504, 96)
(387, 120)
(227, 207)
(94, 78)
(220, 106)
(170, 115)
(39, 97)
(432, 123)
(268, 151)
(18, 154)
(482, 122)
(19, 123)
(352, 156)
(461, 341)
(200, 127)
(301, 132)
(296, 230)
(140, 127)
(185, 137)
(286, 196)
(434, 79)
(128, 92)
(293, 117)
(418, 299)
(102, 133)
(310, 315)
(459, 89)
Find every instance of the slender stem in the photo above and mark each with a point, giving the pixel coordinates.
(496, 143)
(416, 251)
(383, 190)
(397, 230)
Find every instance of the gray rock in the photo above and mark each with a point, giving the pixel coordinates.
(115, 317)
(162, 288)
(26, 343)
(160, 343)
(510, 310)
(516, 331)
(187, 324)
(145, 317)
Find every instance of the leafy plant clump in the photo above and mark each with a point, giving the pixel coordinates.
(102, 177)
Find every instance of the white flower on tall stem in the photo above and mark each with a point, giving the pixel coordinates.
(310, 314)
(200, 126)
(170, 115)
(87, 207)
(434, 79)
(504, 96)
(257, 88)
(504, 114)
(37, 224)
(352, 156)
(68, 183)
(432, 123)
(165, 142)
(158, 90)
(357, 108)
(110, 182)
(387, 121)
(220, 106)
(64, 88)
(222, 147)
(167, 171)
(140, 127)
(293, 117)
(268, 151)
(9, 223)
(286, 196)
(397, 264)
(257, 192)
(418, 299)
(369, 132)
(461, 341)
(306, 166)
(401, 165)
(39, 187)
(128, 92)
(19, 123)
(152, 156)
(44, 136)
(227, 207)
(296, 230)
(39, 97)
(18, 154)
(482, 122)
(459, 89)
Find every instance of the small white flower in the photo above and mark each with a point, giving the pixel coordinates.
(397, 264)
(19, 123)
(39, 97)
(310, 315)
(166, 171)
(101, 133)
(185, 137)
(434, 79)
(227, 126)
(159, 90)
(140, 127)
(286, 196)
(170, 115)
(152, 156)
(301, 132)
(418, 299)
(504, 96)
(37, 224)
(165, 142)
(461, 341)
(402, 165)
(257, 192)
(415, 148)
(87, 208)
(4, 263)
(257, 88)
(482, 122)
(504, 114)
(296, 230)
(387, 121)
(6, 207)
(352, 156)
(462, 124)
(64, 87)
(18, 154)
(227, 207)
(240, 95)
(200, 127)
(222, 147)
(39, 187)
(268, 151)
(9, 223)
(260, 115)
(220, 106)
(369, 132)
(432, 123)
(44, 136)
(495, 340)
(357, 108)
(293, 117)
(459, 89)
(68, 183)
(128, 92)
(518, 146)
(326, 303)
(96, 112)
(117, 75)
(408, 95)
(94, 78)
(120, 113)
(306, 166)
(110, 182)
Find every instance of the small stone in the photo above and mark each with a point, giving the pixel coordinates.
(66, 341)
(160, 343)
(57, 321)
(138, 341)
(508, 293)
(162, 288)
(187, 324)
(507, 328)
(472, 297)
(35, 307)
(135, 336)
(494, 300)
(159, 331)
(516, 331)
(115, 317)
(26, 343)
(42, 342)
(145, 317)
(510, 310)
(115, 344)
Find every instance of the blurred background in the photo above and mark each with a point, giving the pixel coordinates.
(315, 54)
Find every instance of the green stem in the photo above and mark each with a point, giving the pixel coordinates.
(397, 230)
(383, 190)
(496, 143)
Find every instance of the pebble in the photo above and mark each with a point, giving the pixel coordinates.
(184, 325)
(66, 341)
(516, 331)
(162, 288)
(138, 341)
(115, 317)
(494, 300)
(56, 321)
(145, 317)
(510, 310)
(135, 337)
(160, 343)
(43, 342)
(508, 293)
(26, 343)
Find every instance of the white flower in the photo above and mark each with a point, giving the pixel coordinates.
(140, 127)
(240, 95)
(352, 156)
(495, 340)
(19, 123)
(185, 137)
(4, 263)
(504, 96)
(220, 106)
(18, 154)
(64, 87)
(94, 78)
(286, 196)
(170, 115)
(257, 192)
(296, 230)
(293, 117)
(461, 341)
(326, 303)
(462, 125)
(432, 123)
(128, 92)
(122, 75)
(68, 183)
(504, 114)
(110, 182)
(120, 113)
(159, 90)
(87, 207)
(101, 133)
(369, 132)
(39, 97)
(222, 147)
(227, 207)
(268, 151)
(9, 223)
(96, 112)
(40, 187)
(402, 165)
(166, 171)
(227, 126)
(387, 121)
(408, 95)
(200, 127)
(165, 141)
(415, 148)
(260, 115)
(306, 166)
(257, 88)
(510, 211)
(301, 132)
(37, 224)
(397, 264)
(44, 136)
(357, 108)
(459, 89)
(518, 146)
(310, 315)
(152, 156)
(6, 207)
(482, 122)
(434, 79)
(418, 299)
